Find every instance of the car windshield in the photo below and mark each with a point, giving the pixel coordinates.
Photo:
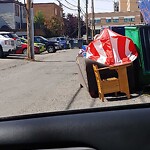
(104, 62)
(1, 36)
(62, 39)
(5, 35)
(13, 35)
(44, 39)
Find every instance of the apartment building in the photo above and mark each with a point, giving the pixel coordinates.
(12, 15)
(49, 10)
(128, 14)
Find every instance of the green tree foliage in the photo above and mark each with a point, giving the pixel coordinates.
(55, 26)
(39, 20)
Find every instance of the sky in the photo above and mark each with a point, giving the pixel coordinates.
(99, 5)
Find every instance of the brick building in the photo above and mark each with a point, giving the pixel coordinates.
(49, 10)
(128, 14)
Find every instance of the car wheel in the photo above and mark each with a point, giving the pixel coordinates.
(24, 51)
(1, 53)
(51, 49)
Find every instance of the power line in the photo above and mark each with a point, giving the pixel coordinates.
(81, 10)
(67, 6)
(70, 3)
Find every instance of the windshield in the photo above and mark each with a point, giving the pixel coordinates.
(44, 39)
(104, 62)
(62, 39)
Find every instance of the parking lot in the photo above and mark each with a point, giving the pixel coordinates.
(50, 83)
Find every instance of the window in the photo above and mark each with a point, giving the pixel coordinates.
(17, 25)
(56, 11)
(61, 14)
(108, 20)
(129, 19)
(24, 12)
(132, 19)
(97, 21)
(17, 10)
(116, 19)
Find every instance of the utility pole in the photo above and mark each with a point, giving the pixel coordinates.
(93, 19)
(79, 21)
(87, 21)
(30, 30)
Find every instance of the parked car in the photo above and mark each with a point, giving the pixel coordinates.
(7, 45)
(51, 46)
(62, 41)
(13, 36)
(40, 45)
(55, 40)
(23, 49)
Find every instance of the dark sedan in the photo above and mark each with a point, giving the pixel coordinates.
(51, 46)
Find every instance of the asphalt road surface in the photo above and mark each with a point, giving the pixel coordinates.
(48, 84)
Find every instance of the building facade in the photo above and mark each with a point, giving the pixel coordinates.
(128, 5)
(49, 10)
(12, 15)
(128, 14)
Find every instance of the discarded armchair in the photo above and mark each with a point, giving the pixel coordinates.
(112, 84)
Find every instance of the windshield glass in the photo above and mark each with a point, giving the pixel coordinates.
(5, 35)
(62, 39)
(44, 39)
(104, 62)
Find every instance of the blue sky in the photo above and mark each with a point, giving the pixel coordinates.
(99, 5)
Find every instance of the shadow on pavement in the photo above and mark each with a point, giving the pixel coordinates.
(16, 56)
(53, 61)
(73, 98)
(146, 90)
(120, 97)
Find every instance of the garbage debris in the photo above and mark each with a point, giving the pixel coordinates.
(110, 48)
(82, 51)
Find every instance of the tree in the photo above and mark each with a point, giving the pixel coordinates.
(71, 26)
(55, 26)
(39, 20)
